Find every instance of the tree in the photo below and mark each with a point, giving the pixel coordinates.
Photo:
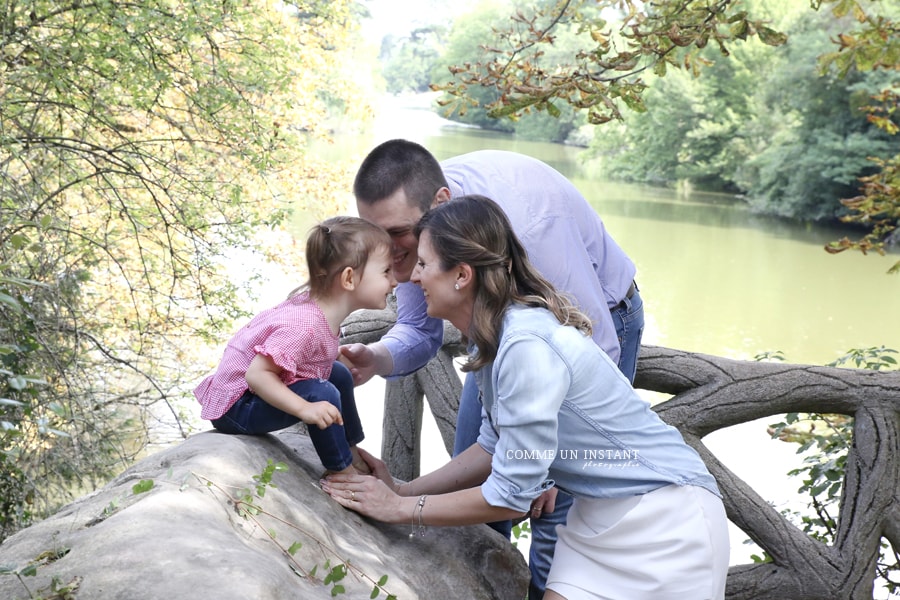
(624, 41)
(143, 147)
(621, 41)
(762, 123)
(874, 46)
(463, 48)
(408, 61)
(694, 128)
(821, 146)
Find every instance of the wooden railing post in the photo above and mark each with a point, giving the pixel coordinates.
(438, 382)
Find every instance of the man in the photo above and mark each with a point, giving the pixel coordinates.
(566, 240)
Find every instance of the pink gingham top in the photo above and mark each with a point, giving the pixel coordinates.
(295, 335)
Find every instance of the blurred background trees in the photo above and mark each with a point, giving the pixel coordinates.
(790, 105)
(144, 149)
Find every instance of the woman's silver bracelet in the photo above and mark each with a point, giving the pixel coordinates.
(417, 511)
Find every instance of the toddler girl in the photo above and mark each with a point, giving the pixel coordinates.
(281, 367)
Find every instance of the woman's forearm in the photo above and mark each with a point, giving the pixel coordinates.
(464, 507)
(450, 495)
(467, 470)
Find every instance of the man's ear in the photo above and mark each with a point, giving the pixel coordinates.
(441, 196)
(346, 279)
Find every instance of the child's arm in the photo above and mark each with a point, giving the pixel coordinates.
(263, 377)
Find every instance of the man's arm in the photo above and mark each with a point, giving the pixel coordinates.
(407, 347)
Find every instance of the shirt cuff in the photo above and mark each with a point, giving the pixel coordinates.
(499, 491)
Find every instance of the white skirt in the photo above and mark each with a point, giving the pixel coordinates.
(669, 544)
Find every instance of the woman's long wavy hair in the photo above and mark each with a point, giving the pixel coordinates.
(474, 230)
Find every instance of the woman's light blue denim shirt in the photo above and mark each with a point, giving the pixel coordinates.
(557, 411)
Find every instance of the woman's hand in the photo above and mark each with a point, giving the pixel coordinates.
(379, 469)
(366, 495)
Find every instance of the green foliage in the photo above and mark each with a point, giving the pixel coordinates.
(247, 503)
(619, 43)
(56, 590)
(825, 439)
(521, 531)
(877, 207)
(872, 359)
(551, 121)
(142, 487)
(264, 479)
(770, 356)
(783, 127)
(142, 146)
(760, 122)
(822, 145)
(463, 46)
(408, 61)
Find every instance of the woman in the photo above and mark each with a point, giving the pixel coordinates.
(647, 521)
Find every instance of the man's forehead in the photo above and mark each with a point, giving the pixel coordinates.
(392, 214)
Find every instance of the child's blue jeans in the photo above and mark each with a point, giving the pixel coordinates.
(251, 415)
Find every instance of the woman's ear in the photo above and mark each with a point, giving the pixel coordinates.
(465, 275)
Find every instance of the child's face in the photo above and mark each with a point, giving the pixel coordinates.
(377, 280)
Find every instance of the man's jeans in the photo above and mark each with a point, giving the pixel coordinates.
(628, 318)
(251, 415)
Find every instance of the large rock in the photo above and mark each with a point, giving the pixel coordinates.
(184, 537)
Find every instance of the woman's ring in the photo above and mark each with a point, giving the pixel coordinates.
(352, 496)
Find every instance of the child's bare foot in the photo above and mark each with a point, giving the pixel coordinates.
(350, 470)
(362, 468)
(358, 463)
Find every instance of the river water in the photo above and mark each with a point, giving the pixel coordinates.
(715, 279)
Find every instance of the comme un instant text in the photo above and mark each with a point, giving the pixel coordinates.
(572, 454)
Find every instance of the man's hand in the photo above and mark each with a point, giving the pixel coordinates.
(361, 361)
(545, 503)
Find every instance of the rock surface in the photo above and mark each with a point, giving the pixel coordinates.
(184, 537)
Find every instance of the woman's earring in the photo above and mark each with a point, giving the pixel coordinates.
(455, 286)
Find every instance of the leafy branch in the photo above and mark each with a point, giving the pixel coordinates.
(247, 503)
(617, 50)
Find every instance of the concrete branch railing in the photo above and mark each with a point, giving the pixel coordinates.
(404, 397)
(710, 393)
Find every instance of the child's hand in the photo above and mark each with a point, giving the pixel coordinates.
(320, 414)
